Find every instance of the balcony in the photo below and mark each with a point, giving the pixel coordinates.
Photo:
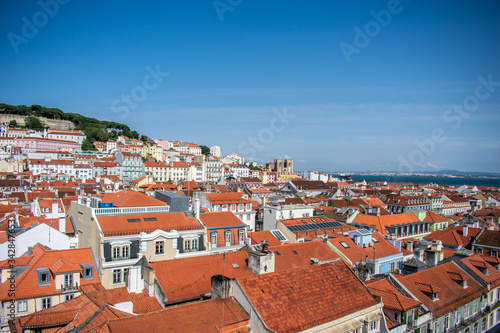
(68, 288)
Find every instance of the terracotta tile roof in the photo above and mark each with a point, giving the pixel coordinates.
(433, 217)
(64, 266)
(92, 310)
(454, 236)
(220, 219)
(296, 255)
(383, 221)
(116, 225)
(488, 238)
(391, 297)
(188, 278)
(258, 236)
(437, 279)
(479, 263)
(225, 198)
(296, 300)
(215, 315)
(27, 283)
(357, 253)
(129, 198)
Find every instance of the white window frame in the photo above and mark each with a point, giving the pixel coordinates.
(227, 237)
(117, 276)
(22, 306)
(159, 248)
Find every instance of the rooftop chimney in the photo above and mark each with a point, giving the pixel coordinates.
(197, 208)
(409, 245)
(465, 230)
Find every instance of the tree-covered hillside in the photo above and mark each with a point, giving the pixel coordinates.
(94, 129)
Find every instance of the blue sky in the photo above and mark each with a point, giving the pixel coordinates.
(233, 65)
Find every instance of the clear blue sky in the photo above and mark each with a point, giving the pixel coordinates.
(231, 66)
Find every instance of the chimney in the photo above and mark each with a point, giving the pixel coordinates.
(62, 224)
(409, 245)
(221, 287)
(260, 262)
(135, 281)
(55, 207)
(197, 208)
(419, 254)
(465, 230)
(435, 253)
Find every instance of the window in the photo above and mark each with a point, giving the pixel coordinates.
(69, 296)
(233, 207)
(393, 266)
(22, 306)
(125, 252)
(483, 325)
(159, 247)
(494, 253)
(479, 250)
(117, 275)
(446, 323)
(194, 245)
(491, 319)
(116, 253)
(187, 245)
(68, 280)
(498, 315)
(476, 327)
(228, 237)
(373, 325)
(241, 236)
(344, 244)
(214, 239)
(466, 313)
(457, 317)
(46, 303)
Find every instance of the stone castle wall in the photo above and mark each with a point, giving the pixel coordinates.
(52, 123)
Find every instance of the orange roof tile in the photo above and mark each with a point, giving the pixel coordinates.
(215, 315)
(300, 299)
(27, 282)
(116, 225)
(391, 297)
(437, 279)
(220, 219)
(129, 198)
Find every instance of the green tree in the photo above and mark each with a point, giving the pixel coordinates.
(34, 123)
(87, 145)
(144, 139)
(13, 123)
(205, 150)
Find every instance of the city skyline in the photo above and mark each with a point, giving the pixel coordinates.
(375, 86)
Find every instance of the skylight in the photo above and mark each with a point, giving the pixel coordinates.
(344, 244)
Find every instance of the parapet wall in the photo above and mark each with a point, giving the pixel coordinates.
(52, 123)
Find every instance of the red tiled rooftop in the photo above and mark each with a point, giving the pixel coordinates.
(116, 225)
(220, 219)
(214, 315)
(296, 300)
(129, 198)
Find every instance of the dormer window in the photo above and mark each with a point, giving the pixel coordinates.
(87, 271)
(43, 276)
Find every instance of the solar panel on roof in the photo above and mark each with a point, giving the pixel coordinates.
(314, 226)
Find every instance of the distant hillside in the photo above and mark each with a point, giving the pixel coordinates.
(94, 129)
